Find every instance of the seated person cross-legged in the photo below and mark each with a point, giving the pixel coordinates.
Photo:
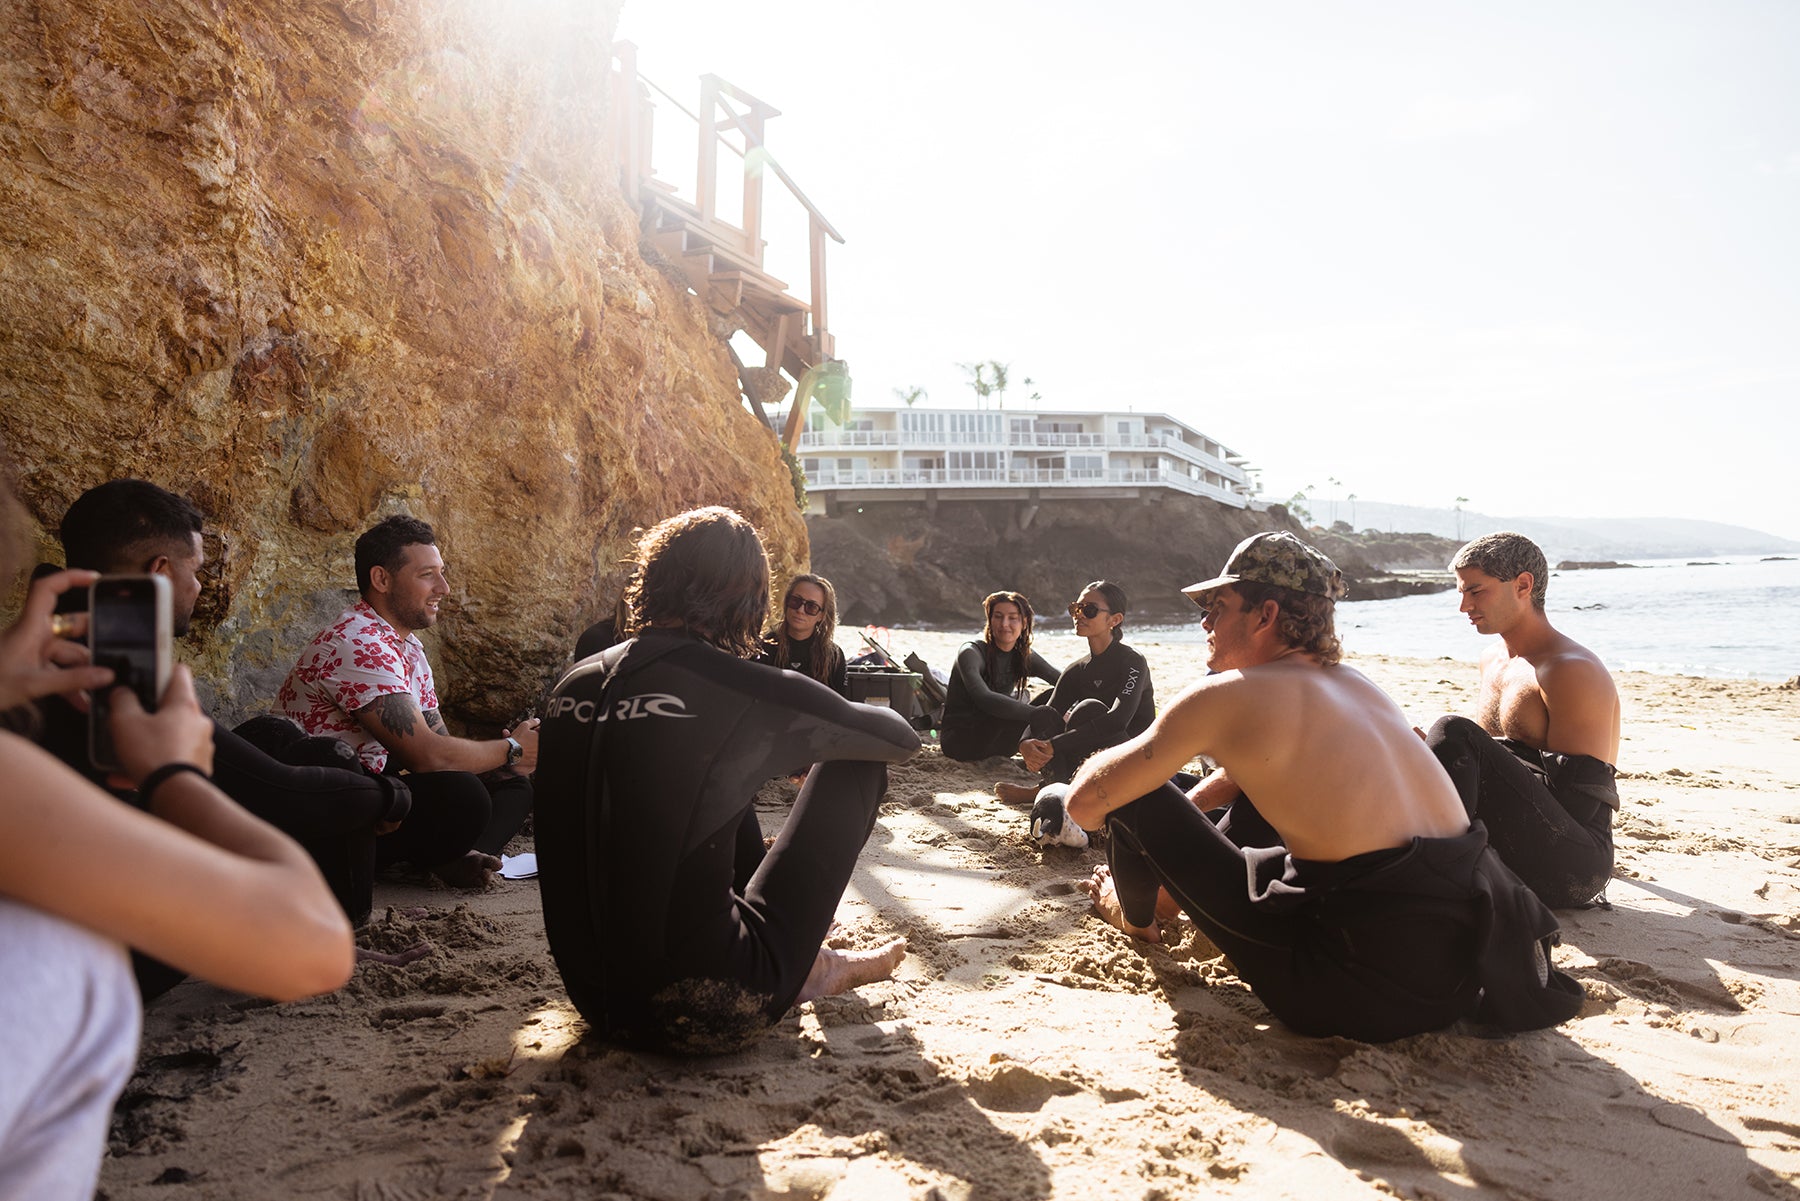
(1381, 912)
(365, 680)
(671, 923)
(986, 710)
(1100, 700)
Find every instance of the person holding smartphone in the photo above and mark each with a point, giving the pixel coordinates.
(130, 527)
(191, 879)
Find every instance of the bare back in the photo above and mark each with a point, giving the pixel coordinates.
(1325, 755)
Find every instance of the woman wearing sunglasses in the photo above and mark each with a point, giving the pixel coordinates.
(806, 639)
(1104, 697)
(986, 710)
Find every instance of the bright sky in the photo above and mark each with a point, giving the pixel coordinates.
(1541, 254)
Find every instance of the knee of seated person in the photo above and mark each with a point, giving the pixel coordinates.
(1083, 712)
(1453, 730)
(1045, 722)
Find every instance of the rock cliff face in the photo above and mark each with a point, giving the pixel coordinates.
(313, 264)
(896, 564)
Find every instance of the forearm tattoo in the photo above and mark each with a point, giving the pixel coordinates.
(436, 722)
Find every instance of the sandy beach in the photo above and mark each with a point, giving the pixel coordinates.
(1027, 1050)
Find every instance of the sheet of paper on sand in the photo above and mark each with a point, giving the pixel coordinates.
(1026, 1050)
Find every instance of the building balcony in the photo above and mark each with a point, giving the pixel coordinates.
(824, 441)
(876, 479)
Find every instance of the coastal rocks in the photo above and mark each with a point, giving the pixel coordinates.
(311, 265)
(1592, 565)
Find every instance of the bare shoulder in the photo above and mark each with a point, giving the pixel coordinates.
(1571, 667)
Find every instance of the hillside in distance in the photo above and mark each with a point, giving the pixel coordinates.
(1586, 538)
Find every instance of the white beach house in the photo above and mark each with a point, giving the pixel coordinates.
(932, 454)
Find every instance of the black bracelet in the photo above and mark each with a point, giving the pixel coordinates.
(161, 775)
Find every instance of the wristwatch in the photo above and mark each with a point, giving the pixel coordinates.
(514, 752)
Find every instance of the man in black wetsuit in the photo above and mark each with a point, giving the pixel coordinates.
(672, 926)
(324, 803)
(1382, 913)
(1537, 764)
(985, 709)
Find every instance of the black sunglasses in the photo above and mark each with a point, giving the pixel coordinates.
(809, 607)
(1089, 610)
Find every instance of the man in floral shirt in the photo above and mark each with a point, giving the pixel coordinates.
(365, 680)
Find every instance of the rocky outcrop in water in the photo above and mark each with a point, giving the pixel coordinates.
(312, 264)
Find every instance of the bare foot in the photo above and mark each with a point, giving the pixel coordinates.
(835, 971)
(394, 958)
(473, 870)
(1016, 794)
(1105, 896)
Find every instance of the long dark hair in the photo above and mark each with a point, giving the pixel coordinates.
(824, 638)
(706, 569)
(1021, 651)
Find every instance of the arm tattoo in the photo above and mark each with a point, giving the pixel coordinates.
(435, 722)
(398, 712)
(1149, 751)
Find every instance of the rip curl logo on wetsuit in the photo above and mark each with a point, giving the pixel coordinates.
(649, 704)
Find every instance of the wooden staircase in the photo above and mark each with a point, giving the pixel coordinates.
(721, 262)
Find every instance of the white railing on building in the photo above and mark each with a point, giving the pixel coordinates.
(819, 441)
(827, 479)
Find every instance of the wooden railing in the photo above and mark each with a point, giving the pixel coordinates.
(723, 262)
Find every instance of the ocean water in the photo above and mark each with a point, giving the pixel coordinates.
(1739, 617)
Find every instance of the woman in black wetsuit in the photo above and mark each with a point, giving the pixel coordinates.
(806, 639)
(671, 925)
(986, 710)
(1104, 697)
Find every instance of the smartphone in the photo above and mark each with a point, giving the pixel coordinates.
(128, 631)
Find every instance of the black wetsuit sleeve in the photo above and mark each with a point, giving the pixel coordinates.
(1041, 668)
(1129, 674)
(984, 698)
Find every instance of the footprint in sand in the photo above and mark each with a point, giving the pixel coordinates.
(1015, 1088)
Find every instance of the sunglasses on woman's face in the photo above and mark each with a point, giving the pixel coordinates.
(809, 607)
(1089, 610)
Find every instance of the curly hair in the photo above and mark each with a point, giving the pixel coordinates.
(824, 634)
(1307, 621)
(1021, 651)
(707, 570)
(1505, 556)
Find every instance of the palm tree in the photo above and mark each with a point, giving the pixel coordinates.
(1460, 502)
(997, 372)
(912, 395)
(978, 380)
(1352, 499)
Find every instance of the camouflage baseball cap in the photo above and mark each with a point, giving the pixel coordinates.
(1278, 559)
